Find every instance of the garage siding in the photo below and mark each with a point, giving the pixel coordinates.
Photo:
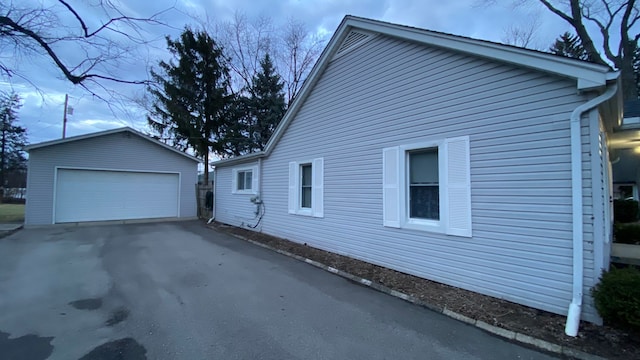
(119, 151)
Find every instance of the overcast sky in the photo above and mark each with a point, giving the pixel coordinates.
(42, 109)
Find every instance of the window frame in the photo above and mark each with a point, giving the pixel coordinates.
(456, 215)
(302, 186)
(254, 180)
(406, 221)
(317, 188)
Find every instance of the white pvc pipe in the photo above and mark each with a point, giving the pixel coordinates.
(573, 315)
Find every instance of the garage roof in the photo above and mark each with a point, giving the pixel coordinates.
(109, 132)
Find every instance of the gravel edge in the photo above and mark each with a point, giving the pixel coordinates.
(495, 330)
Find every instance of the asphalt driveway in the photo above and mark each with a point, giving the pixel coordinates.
(182, 291)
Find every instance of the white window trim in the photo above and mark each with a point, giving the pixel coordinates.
(422, 224)
(317, 188)
(395, 188)
(254, 180)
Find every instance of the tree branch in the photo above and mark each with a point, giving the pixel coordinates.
(575, 20)
(5, 21)
(604, 29)
(556, 11)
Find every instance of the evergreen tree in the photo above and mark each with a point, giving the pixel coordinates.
(570, 46)
(265, 105)
(236, 139)
(192, 95)
(12, 140)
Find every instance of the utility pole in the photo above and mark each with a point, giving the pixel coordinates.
(64, 118)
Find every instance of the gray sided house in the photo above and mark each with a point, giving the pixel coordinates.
(117, 174)
(466, 162)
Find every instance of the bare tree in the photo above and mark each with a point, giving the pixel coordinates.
(610, 17)
(68, 35)
(522, 35)
(616, 22)
(300, 51)
(246, 42)
(293, 47)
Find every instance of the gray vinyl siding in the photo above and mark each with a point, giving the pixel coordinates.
(390, 92)
(233, 209)
(119, 151)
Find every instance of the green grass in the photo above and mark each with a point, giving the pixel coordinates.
(11, 213)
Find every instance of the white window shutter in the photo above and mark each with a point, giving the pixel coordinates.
(458, 187)
(391, 186)
(317, 182)
(234, 181)
(293, 187)
(255, 179)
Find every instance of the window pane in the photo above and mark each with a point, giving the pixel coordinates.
(305, 185)
(240, 180)
(306, 197)
(425, 202)
(247, 179)
(306, 175)
(423, 166)
(424, 192)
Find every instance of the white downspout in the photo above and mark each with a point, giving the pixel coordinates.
(573, 316)
(213, 188)
(260, 177)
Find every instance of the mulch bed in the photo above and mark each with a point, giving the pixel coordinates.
(603, 341)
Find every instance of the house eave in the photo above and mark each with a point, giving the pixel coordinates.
(238, 159)
(588, 75)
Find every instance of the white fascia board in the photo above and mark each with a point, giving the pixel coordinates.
(238, 159)
(589, 75)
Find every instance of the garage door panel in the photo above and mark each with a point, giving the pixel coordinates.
(91, 195)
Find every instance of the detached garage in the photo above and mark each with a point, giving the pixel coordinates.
(111, 175)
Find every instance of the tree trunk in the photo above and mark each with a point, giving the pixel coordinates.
(206, 166)
(627, 73)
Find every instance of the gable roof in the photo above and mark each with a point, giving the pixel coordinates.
(588, 76)
(105, 133)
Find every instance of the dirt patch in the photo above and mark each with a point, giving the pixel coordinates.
(29, 346)
(598, 340)
(117, 316)
(126, 348)
(87, 304)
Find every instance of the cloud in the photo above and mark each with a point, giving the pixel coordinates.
(43, 108)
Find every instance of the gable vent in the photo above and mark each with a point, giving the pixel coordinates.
(353, 40)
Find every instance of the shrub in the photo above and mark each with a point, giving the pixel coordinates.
(625, 210)
(626, 233)
(617, 297)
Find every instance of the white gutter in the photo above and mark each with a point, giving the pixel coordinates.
(573, 316)
(260, 178)
(215, 197)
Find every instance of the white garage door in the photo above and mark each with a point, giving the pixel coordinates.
(92, 195)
